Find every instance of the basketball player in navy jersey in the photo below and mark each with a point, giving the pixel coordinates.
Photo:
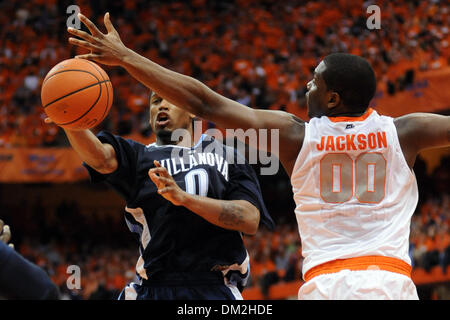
(188, 202)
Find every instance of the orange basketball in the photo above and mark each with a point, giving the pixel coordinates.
(76, 94)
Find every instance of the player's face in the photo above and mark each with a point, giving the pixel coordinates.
(164, 116)
(317, 96)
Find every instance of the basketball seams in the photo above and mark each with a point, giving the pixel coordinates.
(107, 101)
(107, 89)
(90, 108)
(78, 90)
(80, 70)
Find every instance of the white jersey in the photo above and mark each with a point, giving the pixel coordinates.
(354, 192)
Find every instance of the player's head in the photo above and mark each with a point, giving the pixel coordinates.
(342, 83)
(165, 118)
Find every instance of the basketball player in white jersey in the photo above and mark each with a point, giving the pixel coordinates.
(350, 168)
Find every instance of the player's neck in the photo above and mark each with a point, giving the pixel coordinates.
(345, 113)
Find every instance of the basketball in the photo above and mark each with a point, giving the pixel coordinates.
(76, 94)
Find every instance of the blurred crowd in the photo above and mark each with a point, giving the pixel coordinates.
(430, 226)
(258, 52)
(275, 257)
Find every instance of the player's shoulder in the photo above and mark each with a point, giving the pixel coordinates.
(295, 123)
(284, 114)
(407, 123)
(420, 124)
(292, 117)
(231, 149)
(228, 148)
(106, 136)
(411, 118)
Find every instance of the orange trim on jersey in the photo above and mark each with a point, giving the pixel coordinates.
(347, 119)
(360, 263)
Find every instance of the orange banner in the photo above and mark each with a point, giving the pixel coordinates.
(41, 165)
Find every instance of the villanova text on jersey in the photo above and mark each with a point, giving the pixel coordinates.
(176, 165)
(172, 238)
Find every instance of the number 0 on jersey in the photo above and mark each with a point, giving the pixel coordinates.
(339, 174)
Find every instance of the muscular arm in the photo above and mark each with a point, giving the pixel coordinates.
(239, 215)
(420, 131)
(189, 93)
(192, 95)
(100, 156)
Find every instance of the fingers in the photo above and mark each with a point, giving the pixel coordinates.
(154, 178)
(81, 34)
(109, 26)
(90, 56)
(83, 44)
(91, 26)
(159, 180)
(160, 170)
(164, 190)
(5, 235)
(156, 163)
(164, 180)
(160, 177)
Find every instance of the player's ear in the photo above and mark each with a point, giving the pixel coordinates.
(333, 100)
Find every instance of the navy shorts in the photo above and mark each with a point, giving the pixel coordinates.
(182, 286)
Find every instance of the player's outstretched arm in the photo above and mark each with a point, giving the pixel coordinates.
(187, 92)
(420, 131)
(239, 215)
(100, 156)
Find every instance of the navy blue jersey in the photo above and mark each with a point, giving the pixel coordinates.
(172, 238)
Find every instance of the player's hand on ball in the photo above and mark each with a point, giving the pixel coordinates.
(105, 48)
(50, 121)
(167, 187)
(5, 234)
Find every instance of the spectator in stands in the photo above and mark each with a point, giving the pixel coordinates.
(444, 247)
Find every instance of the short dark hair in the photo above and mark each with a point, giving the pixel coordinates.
(352, 77)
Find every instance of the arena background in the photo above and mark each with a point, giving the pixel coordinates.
(260, 53)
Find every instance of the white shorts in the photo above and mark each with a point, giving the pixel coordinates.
(359, 285)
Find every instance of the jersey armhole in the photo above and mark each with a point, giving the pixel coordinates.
(398, 147)
(304, 152)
